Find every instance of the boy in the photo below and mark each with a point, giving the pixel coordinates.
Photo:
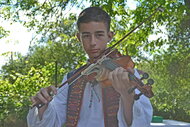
(89, 104)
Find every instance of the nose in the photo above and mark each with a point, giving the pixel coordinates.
(93, 40)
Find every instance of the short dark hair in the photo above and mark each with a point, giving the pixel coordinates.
(96, 14)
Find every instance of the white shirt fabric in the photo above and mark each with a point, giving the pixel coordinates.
(91, 114)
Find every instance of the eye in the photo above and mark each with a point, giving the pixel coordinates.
(99, 35)
(86, 36)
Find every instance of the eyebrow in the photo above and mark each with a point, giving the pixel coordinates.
(95, 32)
(100, 32)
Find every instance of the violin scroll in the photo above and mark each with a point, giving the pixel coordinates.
(145, 89)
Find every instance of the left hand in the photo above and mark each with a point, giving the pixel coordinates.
(120, 81)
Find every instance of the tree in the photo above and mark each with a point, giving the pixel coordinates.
(3, 33)
(169, 68)
(47, 16)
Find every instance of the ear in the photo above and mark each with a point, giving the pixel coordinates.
(110, 35)
(78, 37)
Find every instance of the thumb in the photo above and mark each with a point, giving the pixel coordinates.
(103, 74)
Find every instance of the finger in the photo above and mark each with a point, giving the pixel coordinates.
(134, 83)
(103, 74)
(125, 77)
(110, 76)
(45, 92)
(54, 89)
(41, 97)
(33, 99)
(125, 74)
(120, 73)
(106, 72)
(116, 76)
(130, 70)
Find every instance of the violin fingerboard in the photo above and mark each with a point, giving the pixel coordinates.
(110, 64)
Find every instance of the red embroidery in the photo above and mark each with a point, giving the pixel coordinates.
(110, 104)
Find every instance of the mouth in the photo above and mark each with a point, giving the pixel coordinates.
(94, 50)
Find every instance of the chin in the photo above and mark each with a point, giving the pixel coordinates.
(94, 57)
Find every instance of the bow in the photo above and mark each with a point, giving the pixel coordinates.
(111, 59)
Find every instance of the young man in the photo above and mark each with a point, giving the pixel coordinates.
(89, 104)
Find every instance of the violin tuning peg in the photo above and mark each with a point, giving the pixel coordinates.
(137, 96)
(131, 77)
(150, 82)
(131, 89)
(145, 76)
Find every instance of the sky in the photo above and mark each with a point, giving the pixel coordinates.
(17, 41)
(19, 38)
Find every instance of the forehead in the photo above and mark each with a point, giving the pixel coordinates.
(92, 27)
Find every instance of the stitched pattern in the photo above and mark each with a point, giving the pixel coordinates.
(111, 106)
(74, 102)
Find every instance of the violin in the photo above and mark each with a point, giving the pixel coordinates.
(110, 62)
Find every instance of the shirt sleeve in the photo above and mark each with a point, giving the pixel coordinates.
(142, 111)
(55, 114)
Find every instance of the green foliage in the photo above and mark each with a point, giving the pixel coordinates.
(171, 73)
(25, 75)
(3, 33)
(15, 97)
(60, 46)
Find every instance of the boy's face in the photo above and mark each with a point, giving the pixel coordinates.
(94, 37)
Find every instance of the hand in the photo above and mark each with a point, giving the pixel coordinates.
(120, 81)
(44, 95)
(103, 74)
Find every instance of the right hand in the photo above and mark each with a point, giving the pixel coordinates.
(44, 95)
